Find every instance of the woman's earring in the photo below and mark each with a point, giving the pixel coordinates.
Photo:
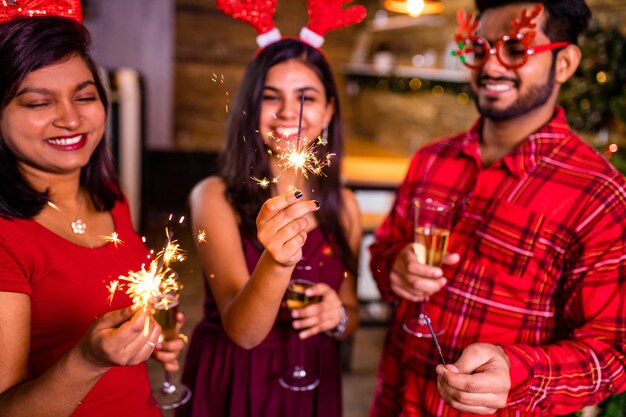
(324, 135)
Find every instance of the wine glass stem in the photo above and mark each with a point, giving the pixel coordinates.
(297, 366)
(168, 385)
(424, 308)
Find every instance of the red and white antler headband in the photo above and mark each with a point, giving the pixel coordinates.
(10, 9)
(324, 16)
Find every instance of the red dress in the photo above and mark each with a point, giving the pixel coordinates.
(229, 381)
(67, 288)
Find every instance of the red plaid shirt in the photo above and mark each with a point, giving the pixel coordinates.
(542, 273)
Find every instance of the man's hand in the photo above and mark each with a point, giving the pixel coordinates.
(414, 281)
(478, 382)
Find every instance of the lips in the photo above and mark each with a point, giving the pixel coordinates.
(68, 143)
(497, 85)
(498, 88)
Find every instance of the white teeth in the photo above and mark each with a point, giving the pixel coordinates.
(287, 131)
(497, 87)
(65, 141)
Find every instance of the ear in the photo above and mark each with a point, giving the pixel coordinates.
(567, 61)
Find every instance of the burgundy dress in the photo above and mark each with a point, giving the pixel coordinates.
(229, 381)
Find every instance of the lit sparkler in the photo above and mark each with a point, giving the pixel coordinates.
(148, 288)
(305, 161)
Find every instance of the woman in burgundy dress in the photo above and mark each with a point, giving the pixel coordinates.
(305, 228)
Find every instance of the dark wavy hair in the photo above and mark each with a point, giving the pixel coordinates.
(567, 19)
(26, 45)
(244, 153)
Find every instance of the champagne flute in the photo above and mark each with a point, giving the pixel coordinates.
(169, 395)
(432, 223)
(298, 378)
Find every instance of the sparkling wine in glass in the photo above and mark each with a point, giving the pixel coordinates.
(169, 395)
(298, 378)
(432, 224)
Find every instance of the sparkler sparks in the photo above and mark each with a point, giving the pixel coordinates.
(305, 161)
(112, 287)
(113, 238)
(201, 236)
(263, 183)
(148, 288)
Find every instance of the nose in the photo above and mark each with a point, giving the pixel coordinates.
(492, 65)
(289, 108)
(68, 116)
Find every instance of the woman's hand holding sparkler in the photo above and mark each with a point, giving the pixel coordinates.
(168, 351)
(118, 338)
(282, 226)
(415, 281)
(318, 317)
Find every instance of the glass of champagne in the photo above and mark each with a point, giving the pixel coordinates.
(432, 223)
(298, 378)
(169, 395)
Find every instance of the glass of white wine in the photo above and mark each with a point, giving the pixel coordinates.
(169, 395)
(298, 378)
(432, 223)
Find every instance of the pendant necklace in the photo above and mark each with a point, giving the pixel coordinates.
(78, 226)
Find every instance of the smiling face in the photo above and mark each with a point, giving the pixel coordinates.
(501, 93)
(56, 119)
(280, 108)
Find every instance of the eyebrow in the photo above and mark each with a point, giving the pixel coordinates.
(305, 89)
(27, 90)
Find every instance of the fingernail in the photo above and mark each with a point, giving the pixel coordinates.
(317, 203)
(298, 194)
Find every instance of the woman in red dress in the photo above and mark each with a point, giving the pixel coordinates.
(66, 350)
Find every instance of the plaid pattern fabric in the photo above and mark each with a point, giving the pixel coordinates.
(542, 273)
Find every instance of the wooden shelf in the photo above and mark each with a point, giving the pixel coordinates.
(406, 71)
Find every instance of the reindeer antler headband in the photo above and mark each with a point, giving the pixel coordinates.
(324, 16)
(10, 9)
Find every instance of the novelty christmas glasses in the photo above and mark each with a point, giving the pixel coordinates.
(512, 50)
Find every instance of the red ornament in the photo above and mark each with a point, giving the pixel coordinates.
(10, 9)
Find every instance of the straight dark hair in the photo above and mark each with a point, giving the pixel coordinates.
(26, 45)
(244, 154)
(567, 19)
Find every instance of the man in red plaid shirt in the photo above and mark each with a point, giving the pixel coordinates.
(531, 296)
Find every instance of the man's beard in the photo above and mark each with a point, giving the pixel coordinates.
(536, 97)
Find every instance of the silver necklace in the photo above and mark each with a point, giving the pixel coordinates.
(78, 226)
